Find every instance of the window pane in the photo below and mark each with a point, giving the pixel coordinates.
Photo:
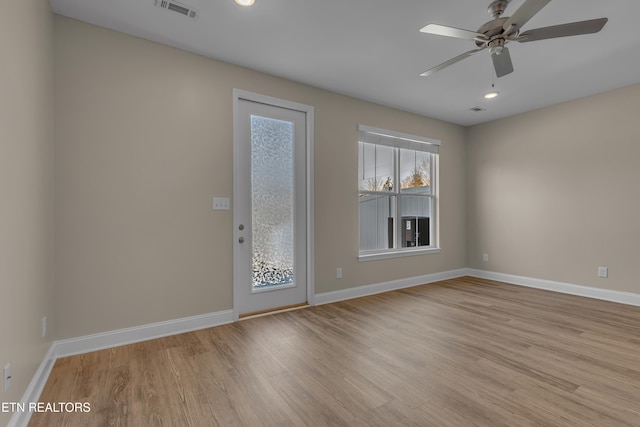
(375, 167)
(408, 173)
(376, 221)
(415, 172)
(423, 172)
(415, 221)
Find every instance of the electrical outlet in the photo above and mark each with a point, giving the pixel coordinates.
(603, 272)
(44, 326)
(485, 257)
(6, 374)
(221, 204)
(339, 273)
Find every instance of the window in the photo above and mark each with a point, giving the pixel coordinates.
(396, 197)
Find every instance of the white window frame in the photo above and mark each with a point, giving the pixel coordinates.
(398, 140)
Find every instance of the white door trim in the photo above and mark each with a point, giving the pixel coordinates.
(238, 95)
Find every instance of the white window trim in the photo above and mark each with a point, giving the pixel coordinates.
(410, 142)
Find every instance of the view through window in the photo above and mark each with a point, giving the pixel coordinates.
(397, 197)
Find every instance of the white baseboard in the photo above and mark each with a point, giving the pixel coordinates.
(89, 343)
(621, 297)
(565, 288)
(19, 418)
(377, 288)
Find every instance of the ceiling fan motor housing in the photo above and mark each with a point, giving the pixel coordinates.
(491, 29)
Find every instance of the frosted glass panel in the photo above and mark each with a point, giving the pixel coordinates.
(272, 202)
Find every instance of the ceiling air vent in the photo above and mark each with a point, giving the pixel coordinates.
(476, 109)
(180, 8)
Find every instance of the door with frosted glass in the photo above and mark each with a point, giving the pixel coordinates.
(270, 220)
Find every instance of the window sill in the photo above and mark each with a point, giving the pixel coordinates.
(398, 254)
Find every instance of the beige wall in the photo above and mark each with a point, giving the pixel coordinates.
(26, 190)
(553, 194)
(144, 141)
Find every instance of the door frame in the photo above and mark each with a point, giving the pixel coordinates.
(308, 111)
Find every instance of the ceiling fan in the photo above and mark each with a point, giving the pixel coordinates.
(495, 34)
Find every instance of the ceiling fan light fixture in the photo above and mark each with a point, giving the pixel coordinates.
(491, 94)
(245, 2)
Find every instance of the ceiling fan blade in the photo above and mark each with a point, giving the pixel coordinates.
(443, 30)
(564, 30)
(450, 62)
(523, 14)
(502, 63)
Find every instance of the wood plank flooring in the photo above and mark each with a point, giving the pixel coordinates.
(462, 352)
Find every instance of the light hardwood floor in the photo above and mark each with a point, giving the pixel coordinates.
(462, 352)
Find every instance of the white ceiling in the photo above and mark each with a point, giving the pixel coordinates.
(373, 49)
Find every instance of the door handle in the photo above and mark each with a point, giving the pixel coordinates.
(241, 239)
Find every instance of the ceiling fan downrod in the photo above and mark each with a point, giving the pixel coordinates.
(497, 8)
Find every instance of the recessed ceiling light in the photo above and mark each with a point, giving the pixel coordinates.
(245, 2)
(491, 95)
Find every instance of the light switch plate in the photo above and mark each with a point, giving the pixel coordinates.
(221, 204)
